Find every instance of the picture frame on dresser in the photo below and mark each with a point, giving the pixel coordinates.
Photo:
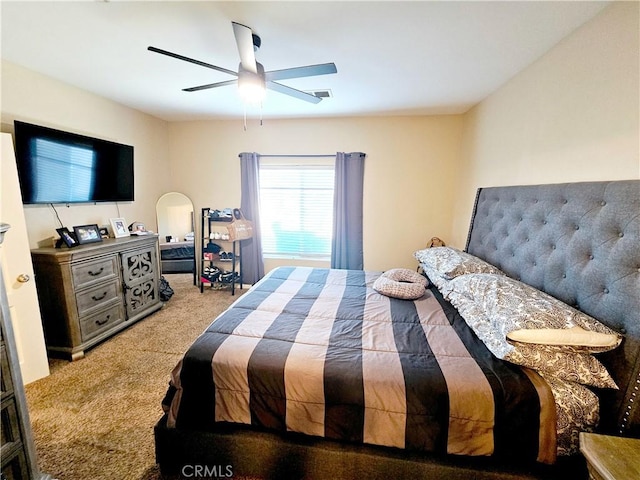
(87, 233)
(119, 227)
(67, 237)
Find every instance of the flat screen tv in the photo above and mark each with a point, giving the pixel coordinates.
(62, 167)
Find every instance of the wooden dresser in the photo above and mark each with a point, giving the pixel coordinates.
(90, 292)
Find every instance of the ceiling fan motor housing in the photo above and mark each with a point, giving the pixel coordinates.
(256, 42)
(244, 73)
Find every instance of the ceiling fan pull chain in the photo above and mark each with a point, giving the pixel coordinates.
(245, 116)
(260, 113)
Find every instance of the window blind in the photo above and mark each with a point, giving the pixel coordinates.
(296, 210)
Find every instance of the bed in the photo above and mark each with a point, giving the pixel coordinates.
(379, 387)
(177, 257)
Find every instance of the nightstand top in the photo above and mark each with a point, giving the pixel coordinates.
(611, 457)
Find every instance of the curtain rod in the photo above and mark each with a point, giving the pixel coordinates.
(333, 155)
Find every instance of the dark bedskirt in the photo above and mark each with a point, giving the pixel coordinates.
(269, 455)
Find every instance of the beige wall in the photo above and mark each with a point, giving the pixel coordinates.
(38, 99)
(410, 171)
(571, 116)
(410, 168)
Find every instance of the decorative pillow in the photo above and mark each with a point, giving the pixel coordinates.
(450, 262)
(401, 283)
(510, 305)
(574, 339)
(495, 305)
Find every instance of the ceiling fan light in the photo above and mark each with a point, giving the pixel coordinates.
(251, 87)
(251, 93)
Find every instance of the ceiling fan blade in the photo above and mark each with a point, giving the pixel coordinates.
(191, 60)
(307, 97)
(244, 40)
(297, 72)
(209, 85)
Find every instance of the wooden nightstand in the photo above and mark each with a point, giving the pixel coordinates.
(611, 458)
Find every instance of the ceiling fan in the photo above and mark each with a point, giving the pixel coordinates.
(251, 77)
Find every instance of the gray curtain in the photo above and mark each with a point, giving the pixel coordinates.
(346, 248)
(251, 249)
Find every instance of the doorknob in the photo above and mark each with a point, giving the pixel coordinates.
(23, 278)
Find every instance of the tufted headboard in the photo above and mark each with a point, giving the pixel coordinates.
(579, 242)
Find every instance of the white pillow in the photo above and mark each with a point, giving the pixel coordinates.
(573, 337)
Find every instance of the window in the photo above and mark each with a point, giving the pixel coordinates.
(296, 209)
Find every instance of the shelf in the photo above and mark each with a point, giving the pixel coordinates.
(233, 264)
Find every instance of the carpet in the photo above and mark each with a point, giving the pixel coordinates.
(94, 418)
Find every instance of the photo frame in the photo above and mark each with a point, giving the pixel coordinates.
(119, 227)
(66, 237)
(87, 234)
(104, 232)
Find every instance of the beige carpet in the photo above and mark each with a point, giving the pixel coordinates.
(93, 419)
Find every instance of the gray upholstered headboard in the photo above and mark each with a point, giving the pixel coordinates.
(579, 242)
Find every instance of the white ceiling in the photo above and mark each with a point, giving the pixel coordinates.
(418, 57)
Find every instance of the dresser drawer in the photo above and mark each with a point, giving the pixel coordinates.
(87, 273)
(10, 429)
(99, 322)
(6, 384)
(99, 296)
(14, 465)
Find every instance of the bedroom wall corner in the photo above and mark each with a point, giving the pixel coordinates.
(573, 115)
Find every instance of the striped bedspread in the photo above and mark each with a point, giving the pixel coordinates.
(319, 352)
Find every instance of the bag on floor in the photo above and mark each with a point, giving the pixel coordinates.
(166, 292)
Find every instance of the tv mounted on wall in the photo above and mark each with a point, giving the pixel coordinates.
(63, 167)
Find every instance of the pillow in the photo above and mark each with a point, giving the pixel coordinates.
(575, 339)
(449, 262)
(401, 283)
(512, 305)
(495, 305)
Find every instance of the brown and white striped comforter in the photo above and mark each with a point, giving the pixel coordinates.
(319, 352)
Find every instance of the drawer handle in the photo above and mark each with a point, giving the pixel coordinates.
(95, 274)
(102, 322)
(104, 294)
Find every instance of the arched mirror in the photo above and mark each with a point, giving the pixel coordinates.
(174, 212)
